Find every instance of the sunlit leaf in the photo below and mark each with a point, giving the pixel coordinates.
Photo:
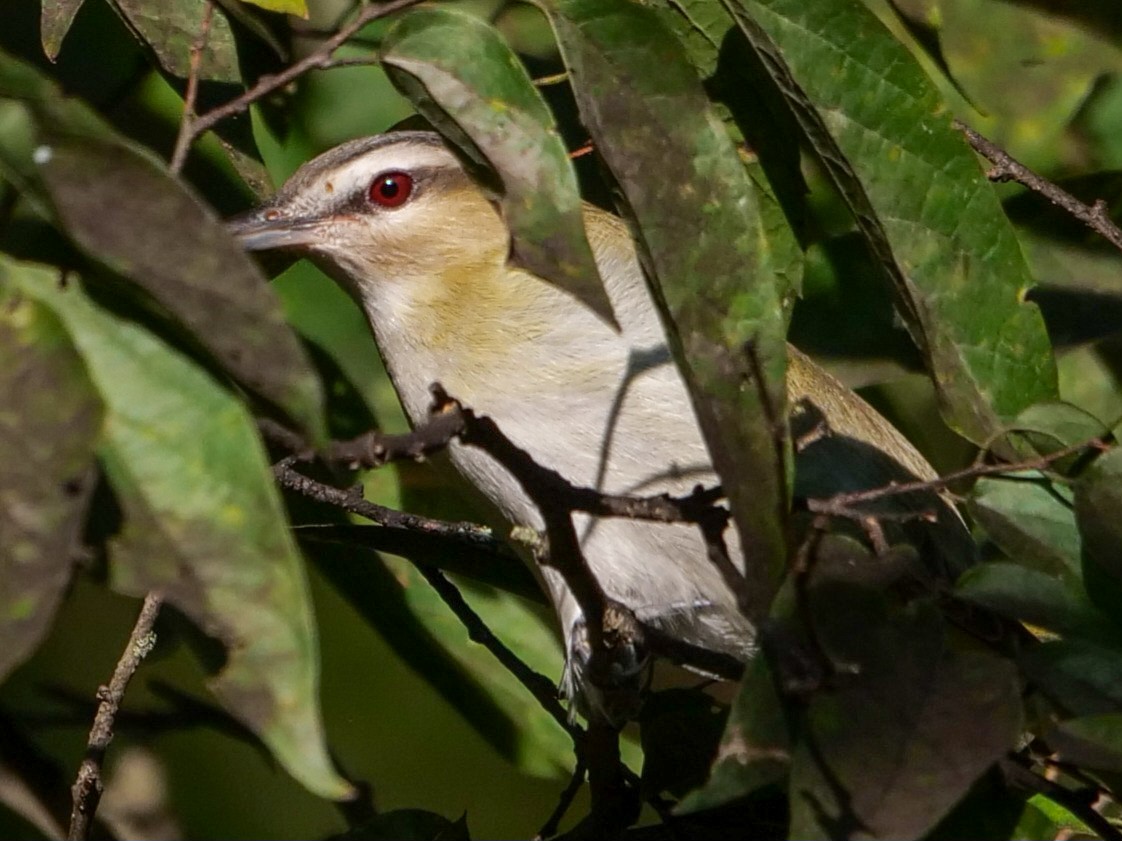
(121, 207)
(647, 113)
(459, 73)
(54, 23)
(204, 524)
(287, 7)
(878, 127)
(171, 28)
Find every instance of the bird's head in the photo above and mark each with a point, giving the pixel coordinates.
(390, 208)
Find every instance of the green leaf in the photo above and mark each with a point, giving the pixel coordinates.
(1098, 497)
(1053, 425)
(171, 28)
(54, 23)
(769, 148)
(50, 419)
(908, 725)
(287, 7)
(700, 229)
(1026, 595)
(879, 127)
(1032, 521)
(204, 524)
(1093, 741)
(461, 75)
(1080, 676)
(123, 208)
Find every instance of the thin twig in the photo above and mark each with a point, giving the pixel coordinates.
(184, 137)
(1007, 168)
(542, 688)
(839, 504)
(317, 59)
(88, 786)
(351, 61)
(380, 514)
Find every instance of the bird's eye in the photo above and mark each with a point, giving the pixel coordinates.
(391, 189)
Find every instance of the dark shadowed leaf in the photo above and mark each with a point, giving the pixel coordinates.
(50, 418)
(1093, 741)
(1032, 520)
(1098, 501)
(1053, 425)
(171, 27)
(1082, 677)
(1037, 598)
(908, 725)
(878, 127)
(461, 75)
(922, 23)
(679, 731)
(754, 750)
(54, 23)
(122, 207)
(700, 230)
(204, 524)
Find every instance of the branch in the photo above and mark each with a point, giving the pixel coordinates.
(1007, 168)
(88, 786)
(842, 505)
(319, 58)
(538, 685)
(182, 140)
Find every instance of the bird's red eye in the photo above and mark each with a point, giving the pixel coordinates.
(391, 189)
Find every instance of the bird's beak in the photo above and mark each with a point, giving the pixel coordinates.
(269, 227)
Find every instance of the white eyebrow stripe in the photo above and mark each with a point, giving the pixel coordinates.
(356, 175)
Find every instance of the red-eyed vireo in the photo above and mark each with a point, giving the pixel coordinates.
(399, 224)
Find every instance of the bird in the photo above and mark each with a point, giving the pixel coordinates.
(423, 250)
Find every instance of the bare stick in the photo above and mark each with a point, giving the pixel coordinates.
(841, 504)
(319, 58)
(1007, 168)
(183, 138)
(88, 786)
(541, 687)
